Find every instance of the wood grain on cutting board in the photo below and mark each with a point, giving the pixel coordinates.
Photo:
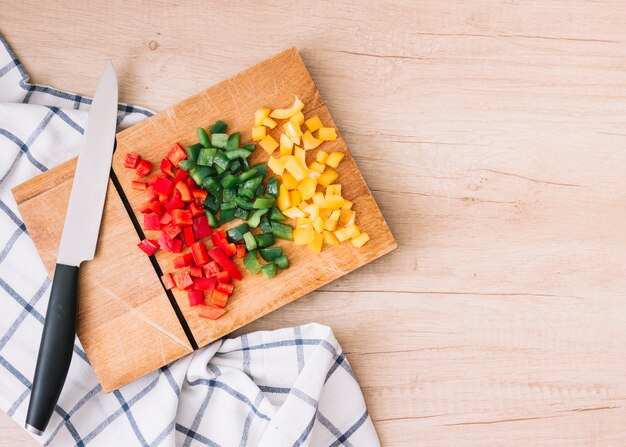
(121, 296)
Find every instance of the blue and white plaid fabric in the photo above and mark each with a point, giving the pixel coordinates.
(290, 387)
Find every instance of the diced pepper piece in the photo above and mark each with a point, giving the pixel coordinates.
(295, 197)
(307, 188)
(219, 140)
(313, 123)
(188, 236)
(353, 231)
(158, 207)
(200, 255)
(258, 133)
(276, 166)
(316, 244)
(328, 177)
(195, 209)
(212, 313)
(195, 298)
(303, 235)
(312, 210)
(241, 251)
(286, 144)
(276, 216)
(282, 114)
(181, 218)
(249, 240)
(334, 202)
(269, 144)
(182, 280)
(225, 287)
(211, 269)
(272, 187)
(185, 192)
(330, 224)
(264, 240)
(333, 190)
(283, 201)
(143, 168)
(263, 203)
(309, 141)
(218, 298)
(347, 205)
(321, 157)
(151, 221)
(330, 238)
(223, 277)
(192, 152)
(148, 246)
(296, 168)
(183, 261)
(251, 263)
(165, 242)
(186, 165)
(282, 231)
(289, 181)
(327, 134)
(347, 217)
(255, 219)
(162, 185)
(201, 227)
(203, 137)
(174, 204)
(199, 194)
(342, 234)
(271, 253)
(219, 127)
(260, 115)
(167, 167)
(235, 234)
(196, 271)
(334, 159)
(294, 212)
(132, 160)
(139, 186)
(297, 119)
(269, 122)
(293, 132)
(303, 204)
(300, 154)
(269, 270)
(317, 167)
(204, 284)
(318, 224)
(325, 213)
(168, 281)
(282, 262)
(302, 221)
(176, 154)
(218, 256)
(177, 245)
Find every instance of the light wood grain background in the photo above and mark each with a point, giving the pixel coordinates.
(492, 136)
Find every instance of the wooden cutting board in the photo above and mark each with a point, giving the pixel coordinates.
(127, 323)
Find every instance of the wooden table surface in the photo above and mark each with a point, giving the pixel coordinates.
(492, 135)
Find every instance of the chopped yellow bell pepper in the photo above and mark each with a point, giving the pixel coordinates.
(328, 177)
(297, 120)
(303, 235)
(316, 243)
(295, 196)
(289, 181)
(307, 188)
(347, 217)
(300, 154)
(347, 205)
(330, 238)
(309, 141)
(269, 144)
(260, 115)
(303, 204)
(258, 133)
(293, 132)
(269, 122)
(353, 231)
(334, 202)
(342, 234)
(321, 156)
(296, 168)
(319, 199)
(312, 210)
(294, 212)
(303, 221)
(334, 159)
(330, 224)
(333, 190)
(313, 123)
(317, 167)
(318, 224)
(276, 165)
(283, 114)
(360, 240)
(335, 215)
(325, 213)
(286, 145)
(283, 200)
(327, 134)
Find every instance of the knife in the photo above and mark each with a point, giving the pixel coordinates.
(78, 244)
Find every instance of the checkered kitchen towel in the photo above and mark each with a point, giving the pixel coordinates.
(288, 387)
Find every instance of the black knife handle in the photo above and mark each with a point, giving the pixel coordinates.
(55, 350)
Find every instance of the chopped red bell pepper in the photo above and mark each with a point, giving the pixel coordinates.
(181, 175)
(145, 207)
(228, 249)
(196, 210)
(241, 251)
(218, 298)
(166, 218)
(182, 280)
(223, 276)
(132, 160)
(174, 204)
(191, 183)
(151, 221)
(139, 186)
(177, 245)
(176, 154)
(168, 281)
(152, 194)
(181, 217)
(188, 236)
(199, 194)
(200, 255)
(225, 287)
(157, 207)
(162, 185)
(149, 246)
(185, 192)
(171, 230)
(212, 313)
(196, 271)
(143, 168)
(183, 261)
(217, 237)
(204, 283)
(151, 181)
(195, 298)
(220, 257)
(211, 269)
(201, 227)
(167, 167)
(165, 242)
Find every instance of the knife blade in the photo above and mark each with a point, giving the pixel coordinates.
(78, 244)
